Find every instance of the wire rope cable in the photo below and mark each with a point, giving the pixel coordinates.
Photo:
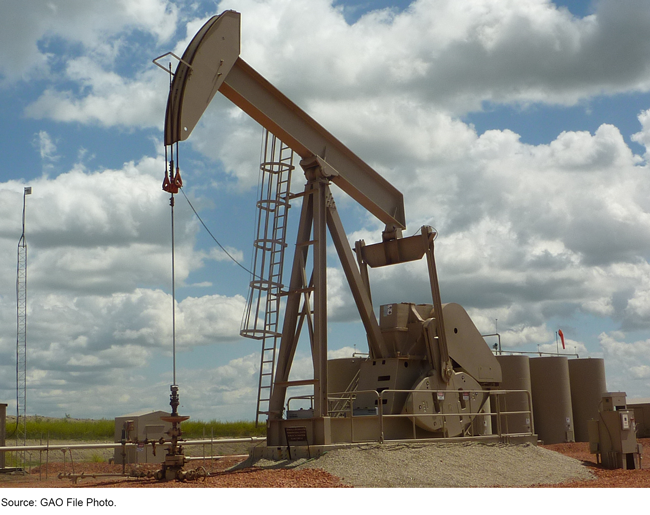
(171, 202)
(214, 238)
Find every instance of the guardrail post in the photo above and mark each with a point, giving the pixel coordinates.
(498, 403)
(3, 432)
(381, 416)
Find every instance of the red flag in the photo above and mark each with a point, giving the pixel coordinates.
(561, 337)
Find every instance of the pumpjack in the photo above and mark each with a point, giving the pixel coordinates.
(428, 371)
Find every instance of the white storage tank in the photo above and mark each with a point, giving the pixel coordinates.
(551, 389)
(587, 377)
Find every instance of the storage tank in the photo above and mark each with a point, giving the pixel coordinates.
(551, 389)
(587, 377)
(515, 373)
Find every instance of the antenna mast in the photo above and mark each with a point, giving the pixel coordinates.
(21, 338)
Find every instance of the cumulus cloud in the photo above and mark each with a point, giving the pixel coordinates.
(629, 360)
(99, 259)
(484, 51)
(453, 54)
(643, 137)
(526, 232)
(113, 101)
(29, 29)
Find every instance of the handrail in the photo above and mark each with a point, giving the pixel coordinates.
(491, 393)
(537, 353)
(301, 397)
(498, 413)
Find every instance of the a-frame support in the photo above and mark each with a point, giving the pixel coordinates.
(318, 214)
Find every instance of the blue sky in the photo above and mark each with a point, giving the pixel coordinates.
(519, 130)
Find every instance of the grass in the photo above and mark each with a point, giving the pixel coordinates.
(97, 458)
(103, 429)
(239, 429)
(69, 429)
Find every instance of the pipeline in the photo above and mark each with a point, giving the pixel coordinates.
(14, 448)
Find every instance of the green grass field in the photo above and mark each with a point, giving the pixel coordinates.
(86, 430)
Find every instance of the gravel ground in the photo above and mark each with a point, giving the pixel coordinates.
(442, 465)
(567, 465)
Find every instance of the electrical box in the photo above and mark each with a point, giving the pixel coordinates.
(140, 427)
(625, 421)
(612, 437)
(614, 401)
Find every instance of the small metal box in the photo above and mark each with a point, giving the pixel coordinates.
(614, 401)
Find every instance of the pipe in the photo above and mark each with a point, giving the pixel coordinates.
(115, 445)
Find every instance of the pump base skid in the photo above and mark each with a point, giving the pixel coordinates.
(281, 452)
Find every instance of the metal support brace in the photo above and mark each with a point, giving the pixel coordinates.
(319, 353)
(446, 369)
(357, 285)
(289, 339)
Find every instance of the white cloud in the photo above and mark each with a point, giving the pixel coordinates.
(527, 232)
(344, 352)
(99, 254)
(628, 364)
(46, 147)
(640, 372)
(643, 137)
(29, 28)
(112, 101)
(90, 342)
(453, 54)
(99, 232)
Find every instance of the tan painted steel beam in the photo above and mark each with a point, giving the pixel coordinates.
(319, 349)
(358, 287)
(445, 368)
(289, 340)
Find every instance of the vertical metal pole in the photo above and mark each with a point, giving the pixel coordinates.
(320, 299)
(171, 203)
(3, 432)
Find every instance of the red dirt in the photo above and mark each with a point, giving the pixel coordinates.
(617, 478)
(253, 477)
